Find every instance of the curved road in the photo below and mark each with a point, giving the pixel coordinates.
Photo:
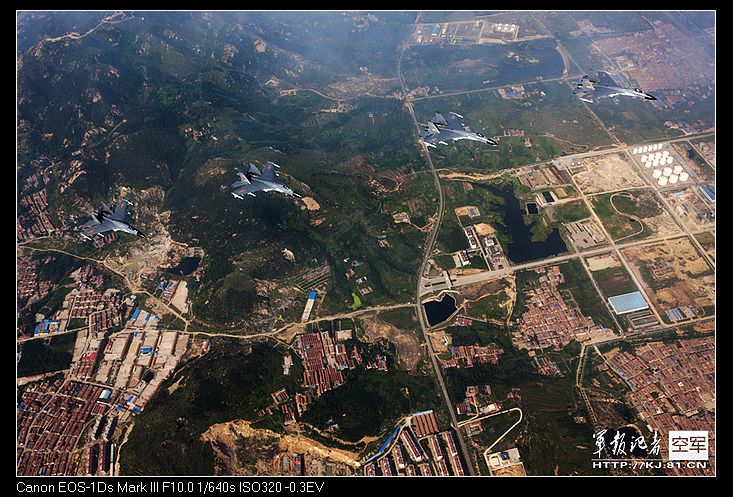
(426, 255)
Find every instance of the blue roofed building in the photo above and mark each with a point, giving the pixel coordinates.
(709, 193)
(628, 302)
(46, 326)
(308, 306)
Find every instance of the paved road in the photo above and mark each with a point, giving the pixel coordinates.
(427, 251)
(491, 88)
(282, 329)
(438, 283)
(488, 450)
(130, 285)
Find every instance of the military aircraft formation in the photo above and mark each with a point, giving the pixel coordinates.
(437, 131)
(115, 218)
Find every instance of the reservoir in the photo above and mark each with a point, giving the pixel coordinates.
(187, 266)
(522, 248)
(438, 311)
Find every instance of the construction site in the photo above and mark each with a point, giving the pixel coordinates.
(606, 173)
(677, 279)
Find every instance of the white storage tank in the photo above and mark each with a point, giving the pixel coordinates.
(658, 155)
(667, 171)
(665, 153)
(636, 151)
(643, 158)
(670, 160)
(677, 169)
(655, 163)
(662, 181)
(673, 179)
(684, 176)
(657, 173)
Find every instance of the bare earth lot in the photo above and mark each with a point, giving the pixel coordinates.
(607, 173)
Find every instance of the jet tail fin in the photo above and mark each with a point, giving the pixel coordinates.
(439, 119)
(253, 170)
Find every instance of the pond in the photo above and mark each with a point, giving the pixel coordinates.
(438, 311)
(522, 248)
(187, 266)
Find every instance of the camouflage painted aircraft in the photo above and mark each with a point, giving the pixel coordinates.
(109, 219)
(255, 181)
(439, 129)
(591, 91)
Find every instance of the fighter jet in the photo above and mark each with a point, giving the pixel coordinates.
(109, 219)
(254, 181)
(605, 87)
(438, 130)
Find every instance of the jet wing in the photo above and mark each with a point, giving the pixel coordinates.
(455, 121)
(583, 86)
(605, 79)
(92, 227)
(597, 94)
(430, 139)
(249, 189)
(243, 180)
(588, 96)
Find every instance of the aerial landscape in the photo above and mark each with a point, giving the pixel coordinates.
(392, 243)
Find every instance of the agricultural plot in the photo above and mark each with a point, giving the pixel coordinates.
(707, 240)
(610, 275)
(460, 67)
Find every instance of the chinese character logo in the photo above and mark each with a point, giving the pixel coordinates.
(600, 442)
(688, 445)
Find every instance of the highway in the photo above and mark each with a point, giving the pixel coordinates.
(427, 250)
(438, 283)
(491, 88)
